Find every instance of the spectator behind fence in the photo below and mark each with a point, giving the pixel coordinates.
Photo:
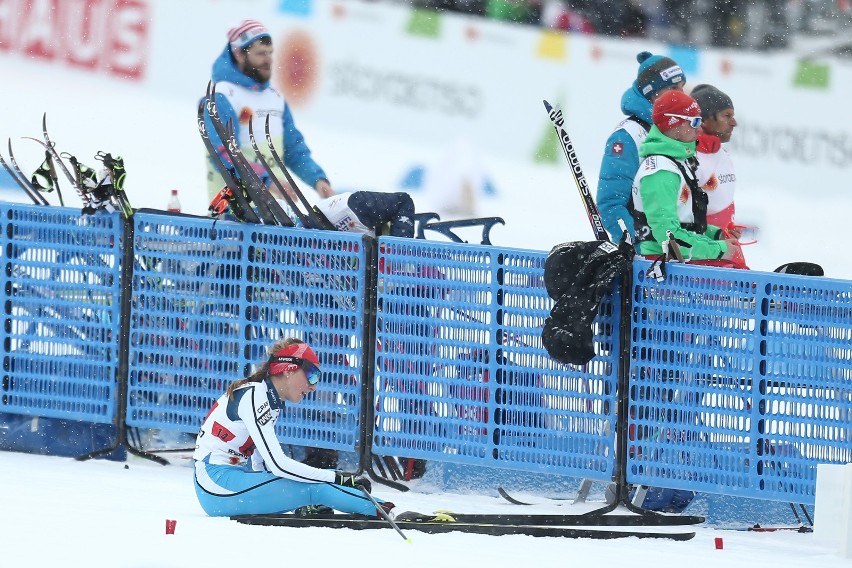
(670, 209)
(242, 73)
(715, 167)
(724, 23)
(656, 75)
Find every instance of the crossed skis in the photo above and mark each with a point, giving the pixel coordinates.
(108, 192)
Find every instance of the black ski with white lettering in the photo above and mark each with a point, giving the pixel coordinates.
(590, 519)
(305, 218)
(268, 209)
(239, 203)
(319, 217)
(592, 211)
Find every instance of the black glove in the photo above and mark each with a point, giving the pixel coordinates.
(349, 480)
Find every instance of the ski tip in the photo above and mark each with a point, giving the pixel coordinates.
(409, 541)
(547, 105)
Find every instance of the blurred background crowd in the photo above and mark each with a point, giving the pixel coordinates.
(747, 24)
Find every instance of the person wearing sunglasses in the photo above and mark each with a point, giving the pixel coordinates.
(240, 468)
(670, 207)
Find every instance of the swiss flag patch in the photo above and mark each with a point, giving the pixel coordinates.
(617, 148)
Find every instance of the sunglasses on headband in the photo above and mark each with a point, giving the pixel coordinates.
(694, 121)
(312, 372)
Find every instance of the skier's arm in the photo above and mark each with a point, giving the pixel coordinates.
(615, 182)
(255, 412)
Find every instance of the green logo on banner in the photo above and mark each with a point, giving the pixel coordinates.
(547, 151)
(424, 23)
(812, 74)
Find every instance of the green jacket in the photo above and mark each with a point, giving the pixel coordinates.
(665, 199)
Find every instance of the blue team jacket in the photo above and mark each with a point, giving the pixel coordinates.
(619, 166)
(297, 155)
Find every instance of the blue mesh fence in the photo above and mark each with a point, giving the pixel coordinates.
(205, 311)
(461, 375)
(740, 381)
(61, 287)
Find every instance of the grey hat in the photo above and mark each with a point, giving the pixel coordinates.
(711, 100)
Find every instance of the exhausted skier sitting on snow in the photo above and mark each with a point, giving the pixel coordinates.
(240, 468)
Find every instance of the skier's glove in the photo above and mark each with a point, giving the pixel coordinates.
(349, 480)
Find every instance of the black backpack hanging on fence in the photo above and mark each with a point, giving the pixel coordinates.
(577, 275)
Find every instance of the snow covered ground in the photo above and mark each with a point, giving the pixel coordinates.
(60, 512)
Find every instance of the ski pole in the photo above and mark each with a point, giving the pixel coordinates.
(571, 155)
(384, 513)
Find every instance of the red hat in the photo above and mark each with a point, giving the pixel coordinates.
(673, 102)
(291, 356)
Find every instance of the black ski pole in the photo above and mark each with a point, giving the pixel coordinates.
(568, 148)
(384, 513)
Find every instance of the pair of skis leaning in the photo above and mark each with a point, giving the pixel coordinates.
(21, 179)
(107, 193)
(244, 184)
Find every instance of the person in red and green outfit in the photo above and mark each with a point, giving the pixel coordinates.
(668, 203)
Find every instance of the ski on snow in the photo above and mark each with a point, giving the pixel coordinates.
(494, 525)
(606, 518)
